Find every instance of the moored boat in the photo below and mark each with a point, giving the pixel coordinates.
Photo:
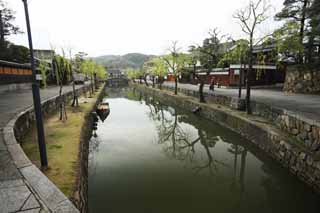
(103, 111)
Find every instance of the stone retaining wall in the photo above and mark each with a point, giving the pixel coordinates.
(81, 194)
(282, 147)
(301, 80)
(305, 130)
(52, 199)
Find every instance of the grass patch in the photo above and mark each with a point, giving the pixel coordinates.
(62, 139)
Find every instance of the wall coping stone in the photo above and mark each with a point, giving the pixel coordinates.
(47, 192)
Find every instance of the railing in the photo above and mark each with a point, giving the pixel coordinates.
(14, 73)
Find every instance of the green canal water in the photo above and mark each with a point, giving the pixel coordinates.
(148, 157)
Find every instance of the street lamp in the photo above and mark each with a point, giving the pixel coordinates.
(36, 96)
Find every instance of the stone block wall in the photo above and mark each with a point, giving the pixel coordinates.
(81, 194)
(45, 189)
(305, 131)
(27, 118)
(302, 80)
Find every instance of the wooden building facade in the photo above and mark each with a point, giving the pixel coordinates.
(13, 73)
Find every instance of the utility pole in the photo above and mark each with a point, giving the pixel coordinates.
(36, 96)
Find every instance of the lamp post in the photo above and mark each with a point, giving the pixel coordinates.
(36, 96)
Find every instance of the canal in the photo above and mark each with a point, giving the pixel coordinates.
(148, 157)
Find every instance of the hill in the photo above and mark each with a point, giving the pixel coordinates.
(131, 60)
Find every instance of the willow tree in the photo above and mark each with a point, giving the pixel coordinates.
(249, 19)
(100, 74)
(159, 69)
(88, 68)
(133, 74)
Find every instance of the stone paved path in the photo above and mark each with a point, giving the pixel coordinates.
(304, 105)
(15, 195)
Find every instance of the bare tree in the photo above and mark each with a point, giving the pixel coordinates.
(173, 62)
(249, 19)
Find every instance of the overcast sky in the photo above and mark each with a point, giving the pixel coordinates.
(101, 27)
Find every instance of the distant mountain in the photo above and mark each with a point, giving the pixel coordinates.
(131, 60)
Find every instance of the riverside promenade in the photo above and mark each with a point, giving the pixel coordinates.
(24, 189)
(304, 105)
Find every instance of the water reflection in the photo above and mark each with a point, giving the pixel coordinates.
(180, 145)
(157, 158)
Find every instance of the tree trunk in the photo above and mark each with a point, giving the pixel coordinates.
(95, 81)
(302, 26)
(92, 85)
(176, 85)
(75, 101)
(242, 169)
(248, 76)
(153, 83)
(62, 106)
(1, 30)
(145, 81)
(201, 95)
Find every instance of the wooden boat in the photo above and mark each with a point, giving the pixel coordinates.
(103, 111)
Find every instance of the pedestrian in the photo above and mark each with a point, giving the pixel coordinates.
(211, 87)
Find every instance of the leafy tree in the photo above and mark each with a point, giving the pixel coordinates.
(288, 41)
(296, 11)
(211, 50)
(211, 53)
(159, 70)
(14, 53)
(236, 55)
(101, 72)
(43, 71)
(88, 68)
(79, 59)
(7, 17)
(249, 19)
(132, 73)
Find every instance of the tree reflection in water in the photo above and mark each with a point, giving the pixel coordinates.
(179, 144)
(236, 150)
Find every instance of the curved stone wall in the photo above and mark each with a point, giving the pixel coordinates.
(51, 199)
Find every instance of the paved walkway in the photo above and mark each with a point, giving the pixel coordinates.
(304, 105)
(15, 195)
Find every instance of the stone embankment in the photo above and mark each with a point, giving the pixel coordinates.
(81, 194)
(271, 129)
(28, 189)
(305, 130)
(302, 80)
